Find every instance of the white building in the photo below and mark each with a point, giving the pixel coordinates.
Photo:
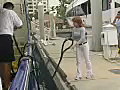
(32, 5)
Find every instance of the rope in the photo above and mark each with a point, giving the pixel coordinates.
(62, 52)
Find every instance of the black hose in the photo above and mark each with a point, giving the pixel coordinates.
(17, 45)
(62, 52)
(13, 72)
(21, 52)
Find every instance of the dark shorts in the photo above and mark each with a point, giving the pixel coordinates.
(6, 48)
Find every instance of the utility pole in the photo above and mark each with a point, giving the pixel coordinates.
(96, 10)
(41, 20)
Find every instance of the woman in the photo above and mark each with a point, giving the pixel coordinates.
(82, 48)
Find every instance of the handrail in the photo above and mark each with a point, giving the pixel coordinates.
(21, 79)
(28, 25)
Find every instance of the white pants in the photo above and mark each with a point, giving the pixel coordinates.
(83, 51)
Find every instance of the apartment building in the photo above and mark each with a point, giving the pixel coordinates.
(32, 5)
(45, 4)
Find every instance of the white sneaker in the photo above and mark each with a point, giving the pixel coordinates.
(90, 77)
(78, 78)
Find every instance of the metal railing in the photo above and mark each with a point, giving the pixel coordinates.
(21, 79)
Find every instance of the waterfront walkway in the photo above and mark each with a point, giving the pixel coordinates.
(104, 78)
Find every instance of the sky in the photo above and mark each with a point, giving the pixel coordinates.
(54, 2)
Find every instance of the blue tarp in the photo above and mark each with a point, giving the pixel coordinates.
(20, 80)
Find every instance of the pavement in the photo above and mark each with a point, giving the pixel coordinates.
(104, 78)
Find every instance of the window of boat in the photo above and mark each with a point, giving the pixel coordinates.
(117, 5)
(105, 5)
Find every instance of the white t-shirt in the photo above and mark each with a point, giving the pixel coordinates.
(8, 20)
(78, 34)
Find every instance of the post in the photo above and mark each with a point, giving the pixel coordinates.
(41, 20)
(52, 26)
(96, 9)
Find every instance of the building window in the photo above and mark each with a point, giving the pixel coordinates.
(44, 6)
(44, 2)
(30, 6)
(29, 3)
(44, 9)
(30, 10)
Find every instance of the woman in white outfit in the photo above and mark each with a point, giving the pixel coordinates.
(82, 48)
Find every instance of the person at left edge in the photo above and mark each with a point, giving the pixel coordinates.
(9, 21)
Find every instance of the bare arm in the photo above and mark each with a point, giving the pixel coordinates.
(16, 20)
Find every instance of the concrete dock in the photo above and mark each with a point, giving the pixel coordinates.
(105, 79)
